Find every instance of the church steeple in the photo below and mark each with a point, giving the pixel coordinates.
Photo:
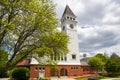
(68, 11)
(69, 26)
(68, 14)
(68, 19)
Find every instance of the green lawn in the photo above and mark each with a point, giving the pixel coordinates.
(97, 77)
(81, 78)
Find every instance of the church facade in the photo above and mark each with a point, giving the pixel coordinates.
(70, 64)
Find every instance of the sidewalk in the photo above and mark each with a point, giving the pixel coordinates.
(62, 78)
(53, 78)
(4, 78)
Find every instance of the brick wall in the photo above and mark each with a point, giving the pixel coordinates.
(61, 70)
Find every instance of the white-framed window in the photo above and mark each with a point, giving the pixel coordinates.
(39, 68)
(74, 67)
(73, 56)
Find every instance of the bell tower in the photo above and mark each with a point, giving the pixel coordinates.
(69, 26)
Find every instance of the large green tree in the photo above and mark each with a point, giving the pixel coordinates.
(96, 63)
(31, 27)
(112, 67)
(114, 59)
(104, 59)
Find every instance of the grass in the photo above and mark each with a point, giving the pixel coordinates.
(98, 77)
(81, 78)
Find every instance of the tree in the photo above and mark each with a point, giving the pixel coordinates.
(112, 67)
(104, 59)
(30, 26)
(115, 57)
(3, 60)
(96, 63)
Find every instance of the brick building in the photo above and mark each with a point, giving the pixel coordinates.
(69, 64)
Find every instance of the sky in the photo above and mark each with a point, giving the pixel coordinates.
(98, 24)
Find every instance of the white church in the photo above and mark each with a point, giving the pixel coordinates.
(70, 64)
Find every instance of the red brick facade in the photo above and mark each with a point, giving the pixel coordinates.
(61, 70)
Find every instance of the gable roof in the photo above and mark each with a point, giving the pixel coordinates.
(68, 11)
(84, 61)
(25, 62)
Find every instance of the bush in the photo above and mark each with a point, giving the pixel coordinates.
(99, 77)
(21, 73)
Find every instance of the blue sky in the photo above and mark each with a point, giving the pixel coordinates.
(98, 24)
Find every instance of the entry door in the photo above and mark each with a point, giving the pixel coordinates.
(41, 74)
(63, 72)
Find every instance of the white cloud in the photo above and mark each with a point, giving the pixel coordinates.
(98, 23)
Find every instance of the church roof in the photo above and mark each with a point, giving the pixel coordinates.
(68, 11)
(24, 62)
(84, 61)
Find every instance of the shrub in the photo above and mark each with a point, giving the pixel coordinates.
(99, 77)
(21, 73)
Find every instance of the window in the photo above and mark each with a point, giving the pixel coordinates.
(61, 58)
(36, 68)
(65, 58)
(67, 17)
(40, 68)
(43, 68)
(73, 56)
(71, 26)
(63, 28)
(74, 68)
(64, 18)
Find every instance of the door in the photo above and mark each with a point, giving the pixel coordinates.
(63, 72)
(41, 74)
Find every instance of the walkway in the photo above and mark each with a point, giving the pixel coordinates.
(4, 78)
(62, 78)
(53, 78)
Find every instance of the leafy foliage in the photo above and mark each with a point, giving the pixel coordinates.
(96, 63)
(115, 57)
(102, 57)
(31, 27)
(3, 60)
(112, 67)
(21, 73)
(110, 64)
